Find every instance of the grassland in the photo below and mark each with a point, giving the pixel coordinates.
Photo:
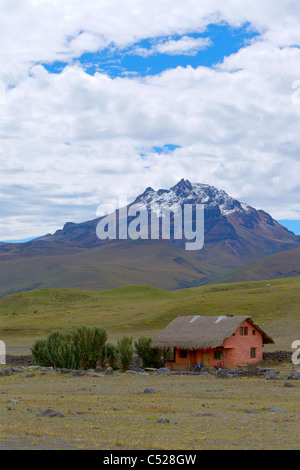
(142, 310)
(113, 412)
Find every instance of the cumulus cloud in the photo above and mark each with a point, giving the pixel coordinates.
(71, 141)
(184, 46)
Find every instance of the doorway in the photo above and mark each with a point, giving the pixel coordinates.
(206, 360)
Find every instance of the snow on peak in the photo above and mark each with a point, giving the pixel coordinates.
(185, 192)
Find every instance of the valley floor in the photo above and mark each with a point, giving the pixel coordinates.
(114, 412)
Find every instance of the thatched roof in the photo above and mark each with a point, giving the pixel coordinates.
(199, 332)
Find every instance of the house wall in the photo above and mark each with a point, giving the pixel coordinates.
(193, 358)
(237, 347)
(237, 351)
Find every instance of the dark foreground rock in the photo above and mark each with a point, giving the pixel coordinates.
(51, 414)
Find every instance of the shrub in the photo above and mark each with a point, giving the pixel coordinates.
(125, 352)
(110, 355)
(74, 348)
(151, 356)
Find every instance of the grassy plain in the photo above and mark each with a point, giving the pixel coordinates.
(143, 310)
(113, 412)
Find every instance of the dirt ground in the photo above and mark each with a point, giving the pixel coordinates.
(114, 412)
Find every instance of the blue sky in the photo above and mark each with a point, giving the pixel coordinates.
(224, 40)
(104, 99)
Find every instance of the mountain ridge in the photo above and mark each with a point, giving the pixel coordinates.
(234, 234)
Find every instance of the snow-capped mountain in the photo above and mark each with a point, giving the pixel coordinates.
(185, 192)
(234, 234)
(238, 232)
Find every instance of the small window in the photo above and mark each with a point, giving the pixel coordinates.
(170, 354)
(253, 332)
(252, 353)
(241, 331)
(183, 353)
(217, 355)
(245, 330)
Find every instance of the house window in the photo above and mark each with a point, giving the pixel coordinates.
(243, 331)
(170, 354)
(253, 332)
(252, 353)
(183, 353)
(217, 355)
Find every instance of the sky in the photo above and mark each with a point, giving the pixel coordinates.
(100, 99)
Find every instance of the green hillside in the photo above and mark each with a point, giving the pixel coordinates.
(276, 266)
(143, 310)
(155, 263)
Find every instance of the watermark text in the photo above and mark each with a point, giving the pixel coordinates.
(139, 221)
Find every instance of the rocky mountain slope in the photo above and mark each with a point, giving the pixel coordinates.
(234, 234)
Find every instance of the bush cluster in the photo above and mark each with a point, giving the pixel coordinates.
(85, 347)
(79, 347)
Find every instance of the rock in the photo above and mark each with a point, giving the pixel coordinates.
(6, 372)
(252, 412)
(143, 373)
(64, 370)
(11, 400)
(270, 375)
(163, 370)
(222, 373)
(109, 371)
(163, 420)
(149, 390)
(50, 414)
(99, 369)
(28, 376)
(17, 369)
(274, 408)
(78, 373)
(136, 363)
(295, 374)
(130, 372)
(289, 384)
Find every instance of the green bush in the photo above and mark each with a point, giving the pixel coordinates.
(110, 355)
(151, 356)
(74, 348)
(125, 352)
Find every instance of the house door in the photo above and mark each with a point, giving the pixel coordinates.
(206, 360)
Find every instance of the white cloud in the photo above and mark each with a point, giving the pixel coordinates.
(70, 141)
(184, 46)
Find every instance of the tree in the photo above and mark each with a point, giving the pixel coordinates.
(125, 352)
(151, 356)
(74, 348)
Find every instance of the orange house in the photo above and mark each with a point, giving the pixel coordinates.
(230, 340)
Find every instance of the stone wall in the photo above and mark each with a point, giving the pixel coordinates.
(19, 360)
(278, 356)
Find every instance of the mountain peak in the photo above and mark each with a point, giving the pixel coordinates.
(182, 185)
(186, 192)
